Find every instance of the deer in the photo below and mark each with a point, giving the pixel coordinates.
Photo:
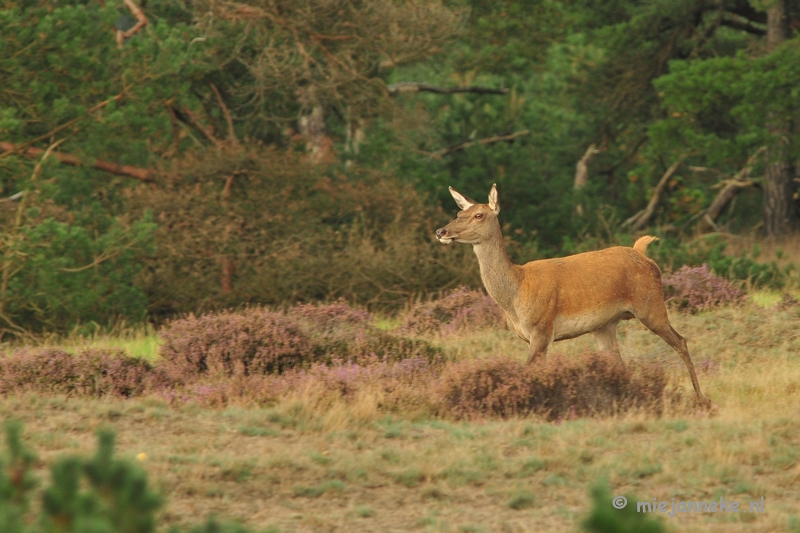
(557, 299)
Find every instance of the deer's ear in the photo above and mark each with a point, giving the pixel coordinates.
(462, 201)
(494, 203)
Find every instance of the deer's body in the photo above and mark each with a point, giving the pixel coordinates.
(557, 299)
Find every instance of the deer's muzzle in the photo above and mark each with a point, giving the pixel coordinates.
(443, 236)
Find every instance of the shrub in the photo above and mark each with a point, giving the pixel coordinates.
(558, 388)
(253, 341)
(88, 373)
(461, 309)
(697, 289)
(257, 341)
(363, 236)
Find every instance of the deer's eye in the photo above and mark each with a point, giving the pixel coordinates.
(479, 216)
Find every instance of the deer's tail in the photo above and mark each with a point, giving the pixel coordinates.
(642, 242)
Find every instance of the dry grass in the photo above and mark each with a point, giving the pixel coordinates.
(312, 464)
(785, 251)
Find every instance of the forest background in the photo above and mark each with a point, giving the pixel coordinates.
(171, 157)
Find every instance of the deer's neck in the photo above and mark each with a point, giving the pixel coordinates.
(500, 276)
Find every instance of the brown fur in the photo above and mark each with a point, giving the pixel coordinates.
(557, 299)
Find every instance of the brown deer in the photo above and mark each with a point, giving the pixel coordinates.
(556, 299)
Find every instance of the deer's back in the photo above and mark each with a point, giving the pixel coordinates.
(573, 284)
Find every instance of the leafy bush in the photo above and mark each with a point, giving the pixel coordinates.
(698, 289)
(461, 309)
(61, 274)
(87, 373)
(560, 387)
(257, 341)
(324, 235)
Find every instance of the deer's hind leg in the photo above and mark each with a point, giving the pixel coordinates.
(657, 321)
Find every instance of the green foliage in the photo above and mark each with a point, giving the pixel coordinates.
(604, 518)
(68, 276)
(16, 479)
(206, 84)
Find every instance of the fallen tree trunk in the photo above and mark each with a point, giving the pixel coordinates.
(142, 174)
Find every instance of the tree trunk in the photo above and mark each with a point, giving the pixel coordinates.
(780, 213)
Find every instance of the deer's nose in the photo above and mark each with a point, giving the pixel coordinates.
(441, 232)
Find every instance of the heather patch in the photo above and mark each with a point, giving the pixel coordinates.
(258, 341)
(562, 387)
(697, 289)
(460, 310)
(87, 373)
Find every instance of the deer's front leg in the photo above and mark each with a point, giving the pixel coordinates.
(513, 327)
(539, 340)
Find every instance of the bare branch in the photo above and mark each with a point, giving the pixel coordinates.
(745, 9)
(582, 168)
(730, 188)
(488, 140)
(102, 258)
(744, 25)
(13, 197)
(415, 87)
(142, 174)
(141, 23)
(639, 220)
(190, 117)
(228, 119)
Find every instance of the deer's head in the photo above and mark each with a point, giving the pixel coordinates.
(475, 222)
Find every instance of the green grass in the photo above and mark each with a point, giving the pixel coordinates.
(765, 298)
(135, 341)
